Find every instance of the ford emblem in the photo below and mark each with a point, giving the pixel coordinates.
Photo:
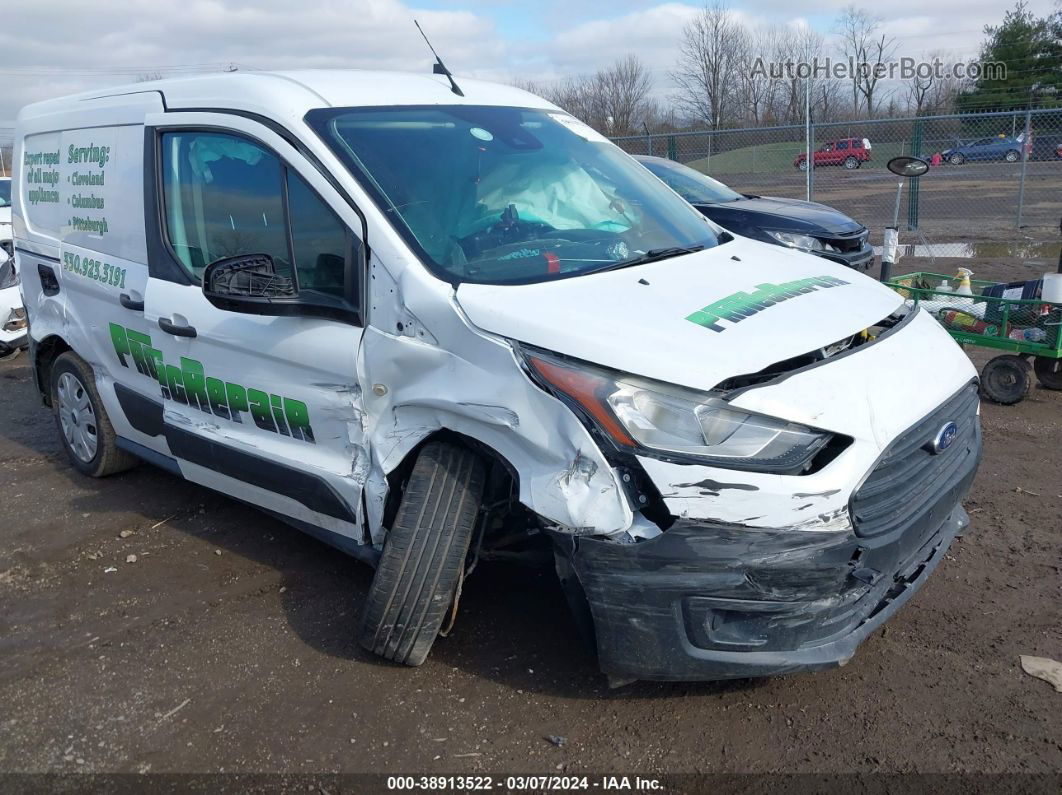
(944, 438)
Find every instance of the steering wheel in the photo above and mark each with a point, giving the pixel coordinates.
(501, 234)
(547, 255)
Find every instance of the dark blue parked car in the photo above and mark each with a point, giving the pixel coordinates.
(807, 226)
(1008, 148)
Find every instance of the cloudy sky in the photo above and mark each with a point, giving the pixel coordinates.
(54, 47)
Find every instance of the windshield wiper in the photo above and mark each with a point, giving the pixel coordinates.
(652, 255)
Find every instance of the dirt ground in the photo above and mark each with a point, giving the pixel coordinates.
(228, 645)
(977, 202)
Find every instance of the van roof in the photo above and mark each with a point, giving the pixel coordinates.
(293, 93)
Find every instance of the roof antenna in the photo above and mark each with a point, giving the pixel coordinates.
(439, 68)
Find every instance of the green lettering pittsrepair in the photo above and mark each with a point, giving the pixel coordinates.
(189, 384)
(735, 308)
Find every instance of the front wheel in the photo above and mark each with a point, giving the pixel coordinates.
(1006, 379)
(424, 554)
(1048, 372)
(1011, 156)
(956, 159)
(86, 431)
(803, 165)
(851, 162)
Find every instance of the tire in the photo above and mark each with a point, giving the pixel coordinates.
(1011, 156)
(84, 428)
(1006, 379)
(802, 165)
(957, 159)
(424, 554)
(851, 162)
(1048, 372)
(13, 353)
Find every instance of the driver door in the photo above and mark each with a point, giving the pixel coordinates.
(264, 408)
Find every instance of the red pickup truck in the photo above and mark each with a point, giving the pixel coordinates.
(848, 152)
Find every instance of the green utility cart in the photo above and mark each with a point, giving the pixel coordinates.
(1007, 317)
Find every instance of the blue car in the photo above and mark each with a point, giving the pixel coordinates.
(1008, 148)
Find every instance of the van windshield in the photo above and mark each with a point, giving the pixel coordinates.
(503, 195)
(5, 193)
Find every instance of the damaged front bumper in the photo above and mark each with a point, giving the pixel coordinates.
(705, 602)
(11, 343)
(709, 599)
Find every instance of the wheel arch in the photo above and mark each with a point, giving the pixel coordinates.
(495, 461)
(42, 355)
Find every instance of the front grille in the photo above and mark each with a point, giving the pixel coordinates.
(849, 243)
(910, 485)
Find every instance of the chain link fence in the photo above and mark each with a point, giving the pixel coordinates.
(994, 193)
(994, 196)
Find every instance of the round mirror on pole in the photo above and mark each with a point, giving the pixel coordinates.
(907, 166)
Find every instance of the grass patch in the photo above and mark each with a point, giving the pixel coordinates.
(774, 158)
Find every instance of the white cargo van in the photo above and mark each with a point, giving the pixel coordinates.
(424, 324)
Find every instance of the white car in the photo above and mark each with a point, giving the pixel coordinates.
(13, 334)
(419, 321)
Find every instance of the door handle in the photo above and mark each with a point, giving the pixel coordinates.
(178, 331)
(126, 300)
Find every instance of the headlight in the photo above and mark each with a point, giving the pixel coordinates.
(796, 240)
(640, 415)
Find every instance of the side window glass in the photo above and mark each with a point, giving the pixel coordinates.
(319, 241)
(842, 145)
(224, 197)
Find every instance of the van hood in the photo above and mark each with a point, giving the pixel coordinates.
(693, 320)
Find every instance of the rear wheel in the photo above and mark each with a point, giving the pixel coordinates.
(1006, 379)
(803, 165)
(424, 554)
(851, 162)
(84, 427)
(1048, 372)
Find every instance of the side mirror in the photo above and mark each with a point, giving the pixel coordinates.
(249, 283)
(907, 166)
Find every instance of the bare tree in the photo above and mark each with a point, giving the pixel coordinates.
(622, 93)
(575, 94)
(829, 105)
(147, 77)
(795, 46)
(868, 51)
(756, 89)
(615, 101)
(706, 72)
(924, 92)
(928, 94)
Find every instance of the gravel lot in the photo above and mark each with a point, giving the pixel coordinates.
(228, 645)
(974, 203)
